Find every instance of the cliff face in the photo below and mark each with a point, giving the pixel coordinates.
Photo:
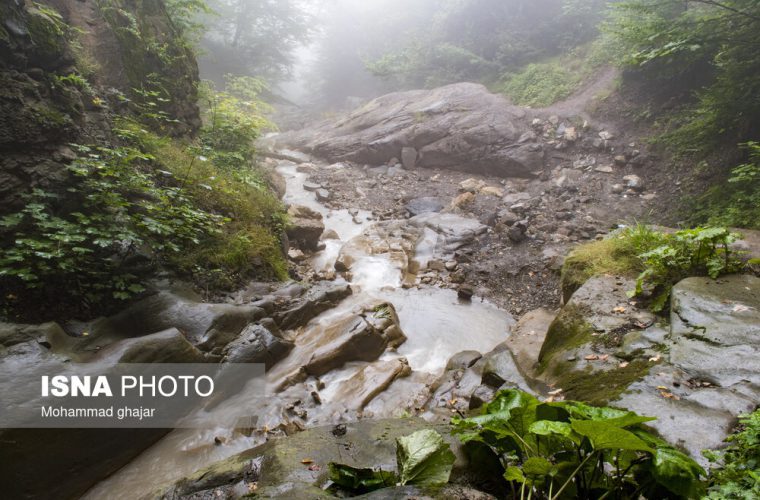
(68, 67)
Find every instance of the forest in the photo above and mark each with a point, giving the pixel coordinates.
(497, 248)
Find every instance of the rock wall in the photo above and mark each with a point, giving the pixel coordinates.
(67, 67)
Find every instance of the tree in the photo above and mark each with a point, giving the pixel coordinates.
(256, 37)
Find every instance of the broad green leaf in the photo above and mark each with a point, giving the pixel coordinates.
(547, 428)
(604, 436)
(514, 474)
(677, 472)
(424, 458)
(538, 466)
(360, 480)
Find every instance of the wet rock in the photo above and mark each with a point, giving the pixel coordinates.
(617, 189)
(276, 469)
(500, 369)
(207, 325)
(305, 227)
(463, 359)
(620, 160)
(320, 298)
(462, 200)
(492, 191)
(460, 126)
(362, 338)
(330, 234)
(483, 394)
(312, 186)
(323, 195)
(169, 346)
(258, 344)
(424, 205)
(517, 231)
(634, 182)
(357, 392)
(527, 337)
(454, 231)
(471, 185)
(512, 198)
(465, 292)
(408, 157)
(296, 255)
(605, 169)
(716, 328)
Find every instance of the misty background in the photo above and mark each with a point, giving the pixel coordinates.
(332, 54)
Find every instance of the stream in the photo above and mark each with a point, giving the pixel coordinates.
(436, 323)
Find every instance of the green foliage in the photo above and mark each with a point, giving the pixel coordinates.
(736, 474)
(185, 14)
(78, 245)
(358, 480)
(618, 254)
(671, 37)
(423, 458)
(541, 84)
(571, 450)
(690, 252)
(735, 203)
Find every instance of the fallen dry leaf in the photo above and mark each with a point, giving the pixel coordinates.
(619, 309)
(554, 392)
(623, 364)
(452, 402)
(591, 357)
(740, 308)
(669, 395)
(655, 359)
(306, 461)
(604, 357)
(662, 388)
(314, 467)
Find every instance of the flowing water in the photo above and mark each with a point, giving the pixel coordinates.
(436, 323)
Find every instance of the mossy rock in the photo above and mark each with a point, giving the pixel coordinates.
(599, 387)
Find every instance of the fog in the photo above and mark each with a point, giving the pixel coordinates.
(331, 54)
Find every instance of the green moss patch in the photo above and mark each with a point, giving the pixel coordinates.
(599, 387)
(568, 330)
(616, 255)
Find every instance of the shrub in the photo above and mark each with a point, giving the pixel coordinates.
(568, 449)
(690, 252)
(541, 84)
(738, 474)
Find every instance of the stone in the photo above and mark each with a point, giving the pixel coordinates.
(424, 205)
(471, 185)
(570, 135)
(492, 191)
(462, 200)
(617, 189)
(169, 346)
(258, 344)
(634, 182)
(621, 160)
(296, 255)
(361, 338)
(527, 337)
(517, 231)
(715, 328)
(606, 136)
(330, 234)
(305, 228)
(500, 369)
(605, 169)
(481, 395)
(359, 390)
(460, 126)
(318, 299)
(323, 195)
(311, 186)
(465, 292)
(453, 231)
(408, 157)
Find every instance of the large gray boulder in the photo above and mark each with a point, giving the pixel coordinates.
(716, 328)
(460, 126)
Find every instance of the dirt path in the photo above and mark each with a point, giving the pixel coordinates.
(578, 103)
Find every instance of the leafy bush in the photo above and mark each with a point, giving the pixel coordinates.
(541, 84)
(690, 252)
(568, 449)
(76, 246)
(618, 254)
(735, 203)
(738, 474)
